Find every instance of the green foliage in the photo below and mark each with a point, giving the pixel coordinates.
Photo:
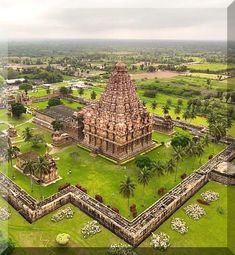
(25, 86)
(57, 125)
(64, 91)
(37, 139)
(17, 109)
(54, 101)
(93, 95)
(179, 140)
(150, 93)
(62, 239)
(7, 246)
(143, 161)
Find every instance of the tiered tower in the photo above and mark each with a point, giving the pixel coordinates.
(118, 125)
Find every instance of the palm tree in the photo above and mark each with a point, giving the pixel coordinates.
(41, 167)
(165, 109)
(179, 153)
(144, 177)
(11, 153)
(127, 188)
(27, 134)
(158, 169)
(28, 168)
(170, 166)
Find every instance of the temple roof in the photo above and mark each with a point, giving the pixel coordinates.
(59, 112)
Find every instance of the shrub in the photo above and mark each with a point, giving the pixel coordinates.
(162, 191)
(150, 93)
(203, 202)
(115, 210)
(62, 239)
(210, 156)
(99, 198)
(183, 176)
(220, 210)
(64, 186)
(133, 207)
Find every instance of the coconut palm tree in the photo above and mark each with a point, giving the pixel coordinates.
(144, 177)
(11, 153)
(27, 134)
(127, 188)
(28, 168)
(178, 155)
(41, 167)
(170, 166)
(165, 109)
(157, 169)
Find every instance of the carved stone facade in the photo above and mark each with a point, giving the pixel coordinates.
(118, 125)
(49, 176)
(12, 132)
(59, 140)
(164, 124)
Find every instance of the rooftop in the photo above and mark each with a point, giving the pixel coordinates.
(30, 155)
(59, 112)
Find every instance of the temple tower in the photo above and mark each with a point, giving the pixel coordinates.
(118, 125)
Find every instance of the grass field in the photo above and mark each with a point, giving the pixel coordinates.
(44, 104)
(103, 177)
(211, 66)
(210, 231)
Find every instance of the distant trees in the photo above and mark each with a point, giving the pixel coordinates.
(17, 109)
(165, 109)
(150, 93)
(81, 91)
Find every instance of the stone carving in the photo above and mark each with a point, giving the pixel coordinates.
(118, 124)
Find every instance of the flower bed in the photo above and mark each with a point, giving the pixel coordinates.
(160, 241)
(90, 229)
(179, 225)
(5, 213)
(66, 213)
(210, 196)
(121, 249)
(194, 211)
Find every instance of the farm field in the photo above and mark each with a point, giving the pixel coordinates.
(211, 67)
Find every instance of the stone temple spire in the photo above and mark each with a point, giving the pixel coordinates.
(118, 125)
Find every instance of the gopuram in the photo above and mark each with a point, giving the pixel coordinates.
(118, 125)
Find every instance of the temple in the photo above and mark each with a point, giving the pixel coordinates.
(118, 125)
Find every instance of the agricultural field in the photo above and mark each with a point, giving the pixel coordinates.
(211, 67)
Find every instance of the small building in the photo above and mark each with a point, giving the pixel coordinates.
(12, 132)
(164, 125)
(49, 176)
(59, 140)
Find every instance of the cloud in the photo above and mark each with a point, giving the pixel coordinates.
(46, 21)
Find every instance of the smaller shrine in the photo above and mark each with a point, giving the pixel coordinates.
(12, 132)
(61, 139)
(48, 176)
(164, 124)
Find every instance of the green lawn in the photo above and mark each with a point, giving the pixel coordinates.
(210, 231)
(11, 120)
(231, 131)
(103, 177)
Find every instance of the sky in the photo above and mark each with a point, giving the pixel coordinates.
(114, 19)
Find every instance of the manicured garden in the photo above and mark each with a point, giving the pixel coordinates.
(102, 177)
(209, 231)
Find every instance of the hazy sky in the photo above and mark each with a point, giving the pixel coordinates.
(167, 19)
